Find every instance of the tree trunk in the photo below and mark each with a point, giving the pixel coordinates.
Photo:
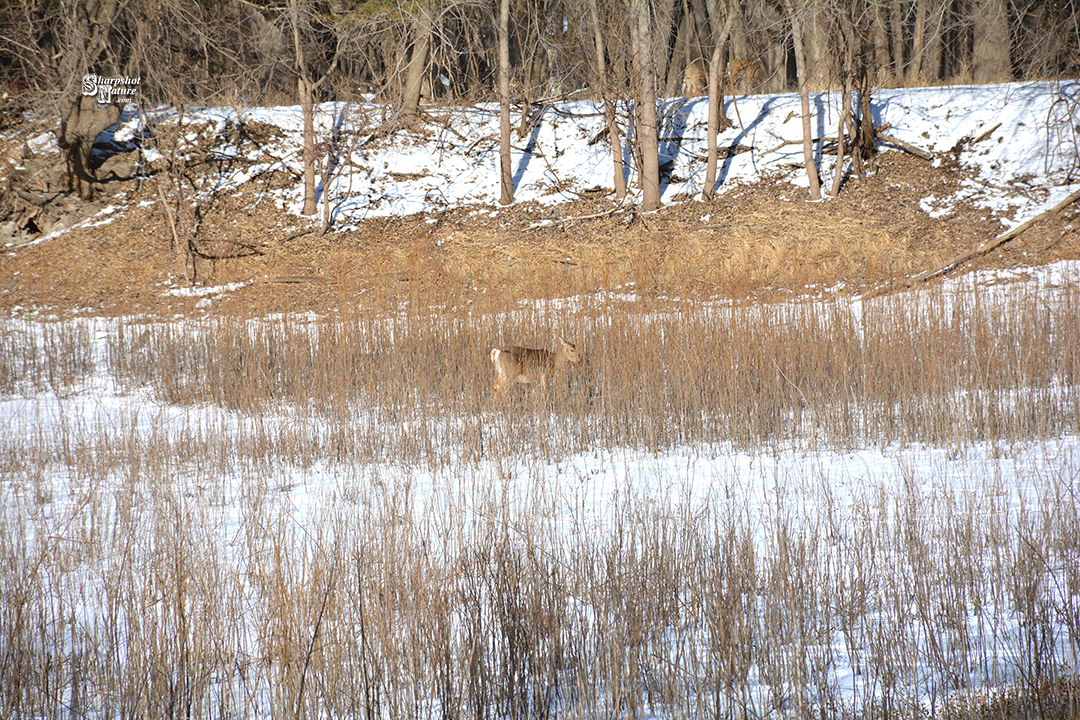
(414, 74)
(174, 204)
(914, 72)
(741, 46)
(847, 63)
(815, 46)
(860, 79)
(506, 179)
(645, 76)
(881, 44)
(609, 105)
(896, 18)
(700, 12)
(659, 32)
(774, 59)
(307, 109)
(82, 119)
(804, 98)
(932, 44)
(716, 96)
(838, 173)
(990, 52)
(867, 138)
(680, 59)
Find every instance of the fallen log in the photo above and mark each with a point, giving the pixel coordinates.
(999, 240)
(960, 259)
(906, 147)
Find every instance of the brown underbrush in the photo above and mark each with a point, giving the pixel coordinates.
(759, 241)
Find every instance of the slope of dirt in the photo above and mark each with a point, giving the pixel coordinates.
(760, 240)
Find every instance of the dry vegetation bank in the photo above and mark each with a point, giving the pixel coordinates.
(758, 240)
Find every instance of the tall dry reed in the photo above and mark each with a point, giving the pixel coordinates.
(154, 562)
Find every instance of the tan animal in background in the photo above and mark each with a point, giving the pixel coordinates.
(530, 365)
(695, 79)
(747, 69)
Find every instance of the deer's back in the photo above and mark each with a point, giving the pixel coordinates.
(523, 361)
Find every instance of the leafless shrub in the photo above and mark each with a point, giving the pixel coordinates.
(1063, 132)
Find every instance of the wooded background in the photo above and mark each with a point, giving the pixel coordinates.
(252, 52)
(405, 55)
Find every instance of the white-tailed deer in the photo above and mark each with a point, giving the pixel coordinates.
(746, 69)
(749, 72)
(695, 79)
(530, 365)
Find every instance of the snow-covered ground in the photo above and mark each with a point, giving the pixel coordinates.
(1020, 140)
(1022, 163)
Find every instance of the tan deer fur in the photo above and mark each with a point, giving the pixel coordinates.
(746, 69)
(696, 76)
(529, 365)
(695, 79)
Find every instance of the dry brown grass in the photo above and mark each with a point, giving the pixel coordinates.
(759, 240)
(144, 607)
(930, 368)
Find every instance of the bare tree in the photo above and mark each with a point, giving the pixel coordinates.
(882, 59)
(308, 87)
(418, 59)
(716, 95)
(918, 42)
(172, 199)
(1047, 39)
(925, 60)
(609, 104)
(645, 80)
(533, 38)
(84, 30)
(662, 21)
(796, 13)
(682, 51)
(850, 28)
(895, 9)
(990, 49)
(506, 180)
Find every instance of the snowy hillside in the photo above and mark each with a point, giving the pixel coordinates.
(1020, 142)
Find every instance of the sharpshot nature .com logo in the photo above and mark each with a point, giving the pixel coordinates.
(106, 88)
